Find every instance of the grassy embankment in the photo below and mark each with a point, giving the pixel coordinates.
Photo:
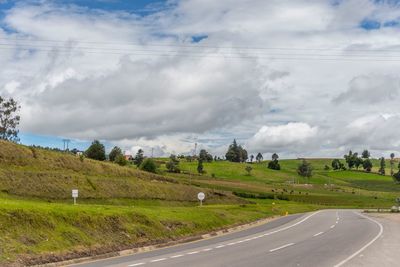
(118, 207)
(122, 207)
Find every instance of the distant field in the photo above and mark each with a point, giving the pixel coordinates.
(122, 207)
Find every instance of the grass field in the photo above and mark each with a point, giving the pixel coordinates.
(122, 207)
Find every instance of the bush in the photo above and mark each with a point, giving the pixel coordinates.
(120, 160)
(148, 165)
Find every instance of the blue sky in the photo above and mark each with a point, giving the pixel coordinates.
(134, 6)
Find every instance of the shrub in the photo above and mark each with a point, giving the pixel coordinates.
(148, 165)
(120, 160)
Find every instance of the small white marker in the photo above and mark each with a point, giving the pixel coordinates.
(157, 260)
(320, 233)
(332, 226)
(137, 264)
(284, 246)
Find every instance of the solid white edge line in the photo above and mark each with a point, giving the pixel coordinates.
(281, 247)
(137, 264)
(366, 245)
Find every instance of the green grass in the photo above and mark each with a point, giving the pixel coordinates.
(33, 228)
(122, 207)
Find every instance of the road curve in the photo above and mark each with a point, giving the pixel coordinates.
(324, 238)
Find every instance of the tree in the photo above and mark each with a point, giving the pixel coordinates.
(139, 157)
(9, 119)
(365, 154)
(251, 158)
(337, 165)
(200, 167)
(391, 163)
(96, 151)
(367, 165)
(148, 165)
(173, 164)
(382, 166)
(259, 157)
(359, 162)
(115, 152)
(121, 160)
(351, 159)
(205, 156)
(305, 170)
(248, 170)
(236, 153)
(274, 164)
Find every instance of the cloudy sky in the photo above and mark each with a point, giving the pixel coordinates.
(310, 78)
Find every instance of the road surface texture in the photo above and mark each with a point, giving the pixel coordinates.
(324, 238)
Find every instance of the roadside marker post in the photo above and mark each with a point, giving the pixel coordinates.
(75, 195)
(201, 196)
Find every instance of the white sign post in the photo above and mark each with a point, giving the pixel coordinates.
(74, 195)
(201, 196)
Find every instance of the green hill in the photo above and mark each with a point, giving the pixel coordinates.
(123, 207)
(38, 173)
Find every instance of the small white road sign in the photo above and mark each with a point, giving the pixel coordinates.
(75, 194)
(201, 196)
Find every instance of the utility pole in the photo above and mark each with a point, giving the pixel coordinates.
(195, 149)
(152, 151)
(66, 143)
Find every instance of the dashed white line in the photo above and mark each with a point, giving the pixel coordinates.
(332, 226)
(220, 246)
(206, 249)
(176, 256)
(231, 244)
(137, 264)
(320, 233)
(157, 260)
(281, 247)
(193, 252)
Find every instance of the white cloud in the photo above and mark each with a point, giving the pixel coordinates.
(294, 135)
(79, 88)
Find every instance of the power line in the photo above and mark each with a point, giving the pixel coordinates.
(195, 45)
(224, 56)
(124, 51)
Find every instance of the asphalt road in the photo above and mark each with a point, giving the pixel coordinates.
(326, 238)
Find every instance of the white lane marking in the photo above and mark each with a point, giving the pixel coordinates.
(157, 260)
(366, 245)
(207, 249)
(281, 247)
(176, 256)
(332, 226)
(234, 243)
(337, 222)
(320, 233)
